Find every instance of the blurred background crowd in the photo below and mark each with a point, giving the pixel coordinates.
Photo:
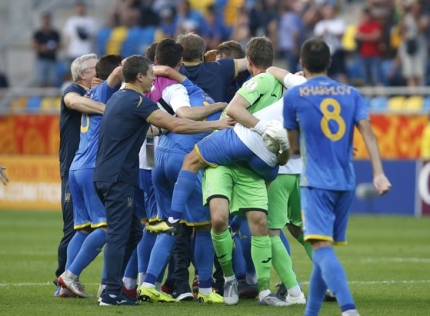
(373, 42)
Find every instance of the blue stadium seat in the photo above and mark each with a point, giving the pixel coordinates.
(426, 104)
(101, 40)
(131, 45)
(33, 104)
(146, 38)
(378, 103)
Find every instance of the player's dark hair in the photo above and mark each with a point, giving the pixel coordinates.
(133, 65)
(106, 65)
(150, 51)
(230, 49)
(168, 52)
(260, 51)
(315, 55)
(194, 46)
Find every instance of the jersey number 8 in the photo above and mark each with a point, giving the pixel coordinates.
(332, 114)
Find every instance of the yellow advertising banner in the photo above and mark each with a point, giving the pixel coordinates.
(34, 183)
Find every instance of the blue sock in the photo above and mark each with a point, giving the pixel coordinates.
(131, 268)
(74, 246)
(285, 242)
(91, 247)
(144, 249)
(183, 188)
(239, 264)
(159, 256)
(316, 292)
(236, 222)
(245, 240)
(204, 258)
(334, 276)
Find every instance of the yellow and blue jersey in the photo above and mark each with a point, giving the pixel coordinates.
(325, 112)
(85, 156)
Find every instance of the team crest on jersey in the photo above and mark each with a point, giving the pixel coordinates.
(130, 201)
(251, 85)
(67, 197)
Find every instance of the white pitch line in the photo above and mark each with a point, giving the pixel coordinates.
(350, 282)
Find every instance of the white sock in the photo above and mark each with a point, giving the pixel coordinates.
(140, 278)
(230, 278)
(294, 291)
(71, 275)
(129, 283)
(205, 290)
(148, 285)
(263, 294)
(251, 278)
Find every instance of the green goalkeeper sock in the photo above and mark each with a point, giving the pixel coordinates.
(261, 253)
(308, 246)
(282, 262)
(223, 246)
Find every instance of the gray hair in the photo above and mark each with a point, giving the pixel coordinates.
(78, 65)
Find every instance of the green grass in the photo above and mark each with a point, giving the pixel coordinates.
(387, 263)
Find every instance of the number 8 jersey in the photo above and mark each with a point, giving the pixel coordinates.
(325, 113)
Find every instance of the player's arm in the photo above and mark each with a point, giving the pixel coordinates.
(184, 126)
(241, 65)
(293, 139)
(380, 182)
(237, 109)
(285, 77)
(168, 72)
(115, 78)
(198, 113)
(82, 104)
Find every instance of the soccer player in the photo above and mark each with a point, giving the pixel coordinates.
(324, 113)
(72, 106)
(123, 128)
(256, 94)
(212, 77)
(170, 153)
(88, 211)
(3, 176)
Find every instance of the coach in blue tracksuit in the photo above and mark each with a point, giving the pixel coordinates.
(123, 129)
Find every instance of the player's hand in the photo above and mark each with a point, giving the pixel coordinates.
(96, 82)
(277, 131)
(210, 55)
(226, 123)
(3, 176)
(381, 184)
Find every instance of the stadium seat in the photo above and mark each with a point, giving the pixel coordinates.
(396, 103)
(378, 103)
(48, 104)
(414, 103)
(101, 40)
(146, 37)
(18, 104)
(426, 104)
(131, 46)
(116, 38)
(34, 104)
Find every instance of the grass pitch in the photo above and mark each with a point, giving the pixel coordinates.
(387, 263)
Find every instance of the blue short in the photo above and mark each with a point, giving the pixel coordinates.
(325, 214)
(146, 185)
(88, 210)
(225, 148)
(167, 166)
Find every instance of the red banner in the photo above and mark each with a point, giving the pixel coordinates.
(29, 134)
(399, 136)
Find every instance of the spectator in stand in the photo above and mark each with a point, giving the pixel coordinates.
(3, 176)
(368, 37)
(188, 20)
(331, 29)
(290, 35)
(148, 16)
(168, 24)
(124, 11)
(241, 30)
(414, 25)
(212, 28)
(79, 31)
(46, 43)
